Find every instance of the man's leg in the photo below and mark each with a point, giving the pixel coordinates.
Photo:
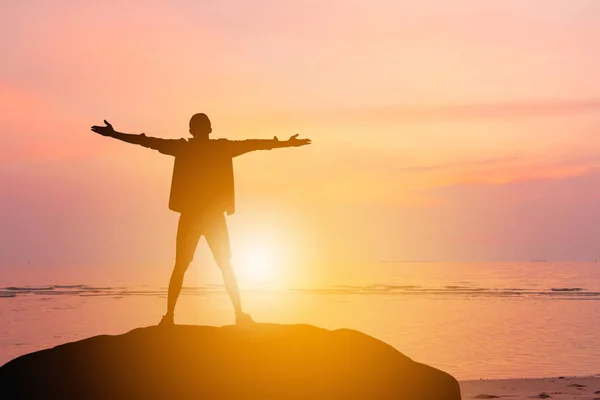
(217, 237)
(188, 235)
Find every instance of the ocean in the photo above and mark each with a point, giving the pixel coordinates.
(473, 320)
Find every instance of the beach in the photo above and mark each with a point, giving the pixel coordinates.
(473, 320)
(559, 388)
(426, 173)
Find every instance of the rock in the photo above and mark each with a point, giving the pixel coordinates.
(262, 361)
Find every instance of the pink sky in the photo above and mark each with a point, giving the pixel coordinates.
(462, 130)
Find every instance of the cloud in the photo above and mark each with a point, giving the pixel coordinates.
(433, 113)
(461, 164)
(554, 218)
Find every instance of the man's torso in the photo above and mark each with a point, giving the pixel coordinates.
(202, 177)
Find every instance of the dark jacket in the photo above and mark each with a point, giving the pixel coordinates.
(203, 171)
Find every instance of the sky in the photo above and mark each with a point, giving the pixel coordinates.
(460, 130)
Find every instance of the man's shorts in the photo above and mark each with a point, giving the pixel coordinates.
(192, 226)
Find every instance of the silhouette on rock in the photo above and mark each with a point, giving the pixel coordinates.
(260, 361)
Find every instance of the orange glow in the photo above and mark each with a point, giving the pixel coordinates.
(398, 111)
(259, 261)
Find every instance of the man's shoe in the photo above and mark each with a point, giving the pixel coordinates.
(243, 319)
(167, 320)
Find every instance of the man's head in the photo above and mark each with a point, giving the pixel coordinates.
(200, 126)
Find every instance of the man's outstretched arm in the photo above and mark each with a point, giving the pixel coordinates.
(244, 146)
(165, 146)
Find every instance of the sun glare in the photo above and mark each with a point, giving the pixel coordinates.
(257, 262)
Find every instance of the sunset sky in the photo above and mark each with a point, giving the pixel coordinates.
(461, 130)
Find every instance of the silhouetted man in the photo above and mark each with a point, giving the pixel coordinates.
(202, 190)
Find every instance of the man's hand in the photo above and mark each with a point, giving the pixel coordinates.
(104, 130)
(293, 141)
